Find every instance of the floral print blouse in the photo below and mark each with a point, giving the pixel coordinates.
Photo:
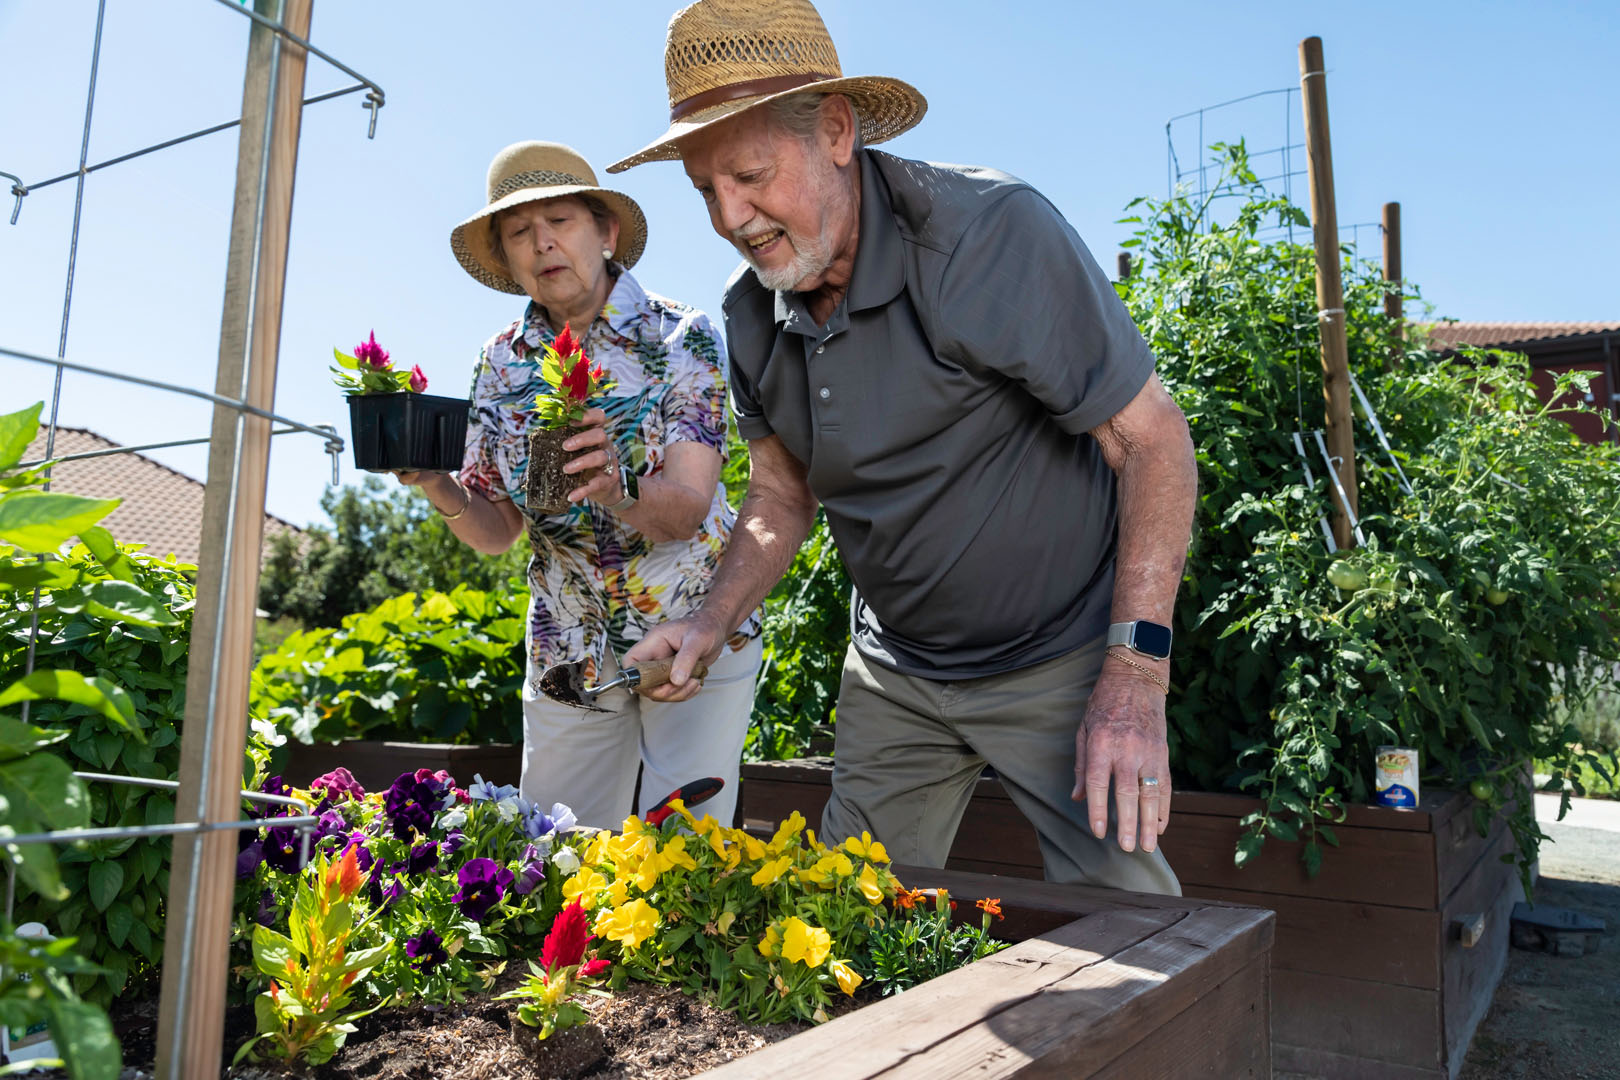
(594, 582)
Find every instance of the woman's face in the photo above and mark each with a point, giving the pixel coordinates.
(554, 248)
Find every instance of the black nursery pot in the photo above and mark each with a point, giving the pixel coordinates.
(407, 431)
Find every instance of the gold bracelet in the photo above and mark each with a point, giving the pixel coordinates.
(1149, 672)
(466, 502)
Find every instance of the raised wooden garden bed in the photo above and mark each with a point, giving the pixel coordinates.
(1101, 984)
(1385, 963)
(376, 764)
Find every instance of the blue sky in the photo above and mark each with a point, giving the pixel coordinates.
(1496, 126)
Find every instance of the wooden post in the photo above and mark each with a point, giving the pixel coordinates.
(203, 877)
(1340, 437)
(1124, 265)
(1394, 306)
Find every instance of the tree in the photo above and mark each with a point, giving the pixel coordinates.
(381, 543)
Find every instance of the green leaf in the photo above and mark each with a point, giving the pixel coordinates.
(123, 601)
(106, 880)
(105, 549)
(109, 700)
(120, 920)
(17, 430)
(272, 952)
(345, 361)
(18, 739)
(42, 792)
(84, 1037)
(43, 521)
(36, 864)
(365, 959)
(51, 574)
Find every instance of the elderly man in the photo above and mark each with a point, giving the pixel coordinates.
(932, 354)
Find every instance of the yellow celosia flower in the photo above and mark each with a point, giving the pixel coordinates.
(586, 885)
(868, 882)
(772, 943)
(772, 870)
(630, 924)
(847, 977)
(805, 943)
(866, 848)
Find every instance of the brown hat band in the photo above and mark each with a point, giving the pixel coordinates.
(535, 178)
(751, 88)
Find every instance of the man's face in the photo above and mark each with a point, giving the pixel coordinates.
(778, 199)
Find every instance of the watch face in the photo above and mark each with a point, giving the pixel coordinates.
(1151, 638)
(627, 480)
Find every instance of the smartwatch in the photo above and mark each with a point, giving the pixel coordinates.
(628, 485)
(1148, 638)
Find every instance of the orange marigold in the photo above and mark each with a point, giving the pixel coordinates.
(990, 905)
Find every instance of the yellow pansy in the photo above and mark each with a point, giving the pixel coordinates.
(674, 855)
(630, 924)
(785, 834)
(646, 875)
(755, 849)
(847, 977)
(772, 943)
(618, 892)
(868, 882)
(717, 844)
(772, 870)
(866, 848)
(812, 843)
(584, 886)
(805, 943)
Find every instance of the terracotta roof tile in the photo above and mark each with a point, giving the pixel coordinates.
(162, 508)
(1482, 334)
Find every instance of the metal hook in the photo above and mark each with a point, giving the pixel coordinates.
(334, 447)
(373, 102)
(19, 189)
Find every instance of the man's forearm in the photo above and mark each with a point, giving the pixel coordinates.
(1157, 488)
(769, 530)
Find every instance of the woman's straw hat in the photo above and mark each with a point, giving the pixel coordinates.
(528, 172)
(724, 56)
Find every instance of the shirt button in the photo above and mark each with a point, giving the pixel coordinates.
(825, 393)
(820, 349)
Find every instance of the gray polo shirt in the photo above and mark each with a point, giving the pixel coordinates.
(942, 413)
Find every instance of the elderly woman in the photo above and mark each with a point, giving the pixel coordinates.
(648, 520)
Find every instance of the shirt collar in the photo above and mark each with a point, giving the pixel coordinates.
(880, 271)
(625, 303)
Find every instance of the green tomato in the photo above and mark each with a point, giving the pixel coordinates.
(1346, 577)
(1495, 597)
(1482, 789)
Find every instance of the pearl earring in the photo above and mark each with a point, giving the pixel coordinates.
(607, 253)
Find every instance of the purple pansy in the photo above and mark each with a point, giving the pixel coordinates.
(273, 785)
(423, 858)
(268, 914)
(283, 850)
(362, 854)
(414, 798)
(337, 786)
(483, 884)
(533, 871)
(383, 895)
(426, 950)
(250, 855)
(452, 842)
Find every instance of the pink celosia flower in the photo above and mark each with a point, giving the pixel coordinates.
(418, 380)
(371, 354)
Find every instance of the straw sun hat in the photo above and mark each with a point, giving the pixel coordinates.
(726, 56)
(528, 172)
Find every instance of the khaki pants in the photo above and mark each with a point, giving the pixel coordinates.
(909, 751)
(589, 759)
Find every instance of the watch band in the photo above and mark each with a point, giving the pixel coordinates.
(628, 485)
(1132, 634)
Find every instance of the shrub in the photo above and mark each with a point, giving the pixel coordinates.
(442, 667)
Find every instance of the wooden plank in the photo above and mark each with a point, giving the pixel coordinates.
(1382, 866)
(1472, 974)
(979, 866)
(1357, 941)
(884, 1034)
(1224, 1034)
(191, 1012)
(1092, 1017)
(1394, 1025)
(1305, 1061)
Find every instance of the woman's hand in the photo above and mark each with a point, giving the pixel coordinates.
(600, 464)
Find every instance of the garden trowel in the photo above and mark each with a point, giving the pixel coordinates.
(566, 682)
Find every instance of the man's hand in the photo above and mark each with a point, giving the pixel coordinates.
(1122, 739)
(696, 637)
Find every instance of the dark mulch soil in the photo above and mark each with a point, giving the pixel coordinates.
(642, 1032)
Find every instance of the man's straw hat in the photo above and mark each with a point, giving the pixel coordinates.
(528, 172)
(725, 56)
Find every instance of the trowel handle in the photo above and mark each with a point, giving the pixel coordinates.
(655, 673)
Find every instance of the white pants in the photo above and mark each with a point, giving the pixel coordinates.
(588, 759)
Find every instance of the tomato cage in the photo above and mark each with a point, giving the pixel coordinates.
(208, 807)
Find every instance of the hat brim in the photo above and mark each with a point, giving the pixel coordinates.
(888, 107)
(471, 243)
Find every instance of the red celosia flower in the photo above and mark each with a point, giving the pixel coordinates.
(576, 383)
(566, 344)
(418, 380)
(371, 354)
(593, 968)
(990, 905)
(565, 944)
